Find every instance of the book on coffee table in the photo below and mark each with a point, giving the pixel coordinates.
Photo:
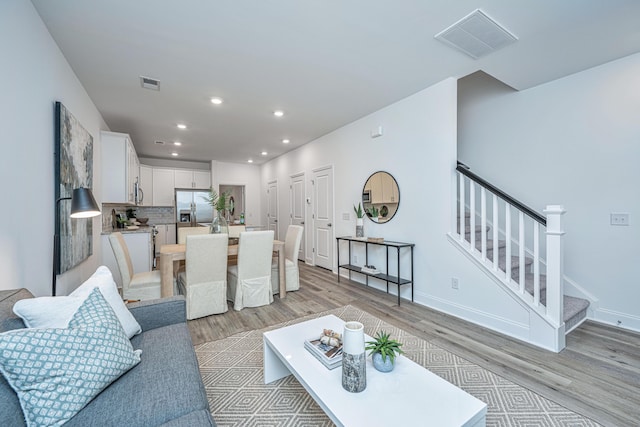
(331, 357)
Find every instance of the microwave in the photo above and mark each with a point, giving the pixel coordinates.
(366, 196)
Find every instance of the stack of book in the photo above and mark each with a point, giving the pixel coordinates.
(331, 357)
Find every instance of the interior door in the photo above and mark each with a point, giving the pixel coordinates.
(272, 207)
(298, 207)
(323, 217)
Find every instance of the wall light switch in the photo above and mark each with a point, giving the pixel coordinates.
(345, 216)
(619, 218)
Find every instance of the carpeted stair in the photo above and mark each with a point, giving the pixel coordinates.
(575, 309)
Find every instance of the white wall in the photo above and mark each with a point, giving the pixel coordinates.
(576, 142)
(419, 149)
(223, 173)
(33, 76)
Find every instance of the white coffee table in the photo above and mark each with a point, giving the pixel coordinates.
(409, 395)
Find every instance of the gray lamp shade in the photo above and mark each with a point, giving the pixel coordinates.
(83, 205)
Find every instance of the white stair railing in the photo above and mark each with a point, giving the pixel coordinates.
(514, 239)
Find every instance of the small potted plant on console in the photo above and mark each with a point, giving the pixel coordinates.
(383, 351)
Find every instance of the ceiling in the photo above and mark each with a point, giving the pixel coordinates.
(325, 63)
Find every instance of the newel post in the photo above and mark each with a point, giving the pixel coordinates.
(555, 263)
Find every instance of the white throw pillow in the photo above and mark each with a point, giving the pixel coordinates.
(56, 312)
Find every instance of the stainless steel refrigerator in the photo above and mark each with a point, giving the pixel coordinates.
(192, 207)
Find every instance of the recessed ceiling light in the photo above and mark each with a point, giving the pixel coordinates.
(264, 153)
(278, 113)
(181, 126)
(174, 154)
(250, 161)
(216, 101)
(285, 141)
(178, 143)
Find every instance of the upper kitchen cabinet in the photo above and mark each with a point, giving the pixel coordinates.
(146, 186)
(185, 178)
(163, 187)
(120, 168)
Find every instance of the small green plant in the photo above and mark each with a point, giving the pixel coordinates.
(218, 202)
(385, 346)
(373, 212)
(359, 212)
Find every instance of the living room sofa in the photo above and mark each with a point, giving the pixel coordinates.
(164, 389)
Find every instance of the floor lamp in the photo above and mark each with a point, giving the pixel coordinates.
(83, 205)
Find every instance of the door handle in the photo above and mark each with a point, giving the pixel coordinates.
(329, 225)
(301, 222)
(275, 220)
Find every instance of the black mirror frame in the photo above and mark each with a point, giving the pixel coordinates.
(368, 201)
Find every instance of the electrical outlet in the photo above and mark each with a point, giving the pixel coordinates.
(454, 283)
(619, 218)
(355, 259)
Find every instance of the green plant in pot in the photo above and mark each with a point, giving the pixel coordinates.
(359, 220)
(383, 351)
(373, 212)
(219, 203)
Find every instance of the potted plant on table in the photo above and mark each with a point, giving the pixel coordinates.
(219, 203)
(359, 220)
(383, 351)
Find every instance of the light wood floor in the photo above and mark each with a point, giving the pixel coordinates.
(597, 375)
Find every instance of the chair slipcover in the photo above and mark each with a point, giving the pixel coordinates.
(204, 283)
(249, 282)
(291, 248)
(140, 286)
(183, 232)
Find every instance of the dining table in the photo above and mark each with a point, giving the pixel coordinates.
(171, 254)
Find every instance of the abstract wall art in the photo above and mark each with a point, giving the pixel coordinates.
(73, 169)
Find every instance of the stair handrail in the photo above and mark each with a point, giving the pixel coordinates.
(465, 170)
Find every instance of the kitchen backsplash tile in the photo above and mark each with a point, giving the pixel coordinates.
(156, 215)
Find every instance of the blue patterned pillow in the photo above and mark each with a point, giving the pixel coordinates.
(56, 372)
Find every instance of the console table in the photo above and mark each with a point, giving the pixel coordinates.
(398, 280)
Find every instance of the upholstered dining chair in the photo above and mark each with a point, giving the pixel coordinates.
(291, 248)
(138, 286)
(183, 232)
(204, 283)
(249, 282)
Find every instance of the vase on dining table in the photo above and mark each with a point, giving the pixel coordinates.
(219, 224)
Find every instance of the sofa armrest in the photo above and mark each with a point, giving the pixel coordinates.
(157, 313)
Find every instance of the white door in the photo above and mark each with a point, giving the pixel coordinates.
(272, 207)
(298, 207)
(323, 217)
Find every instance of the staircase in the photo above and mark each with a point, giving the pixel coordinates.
(529, 267)
(574, 309)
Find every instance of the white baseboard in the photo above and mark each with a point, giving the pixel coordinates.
(615, 318)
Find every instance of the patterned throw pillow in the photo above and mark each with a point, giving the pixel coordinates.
(56, 372)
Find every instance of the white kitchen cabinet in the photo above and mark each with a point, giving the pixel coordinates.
(140, 247)
(120, 168)
(186, 178)
(166, 235)
(146, 185)
(163, 187)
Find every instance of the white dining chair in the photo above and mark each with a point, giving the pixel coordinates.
(204, 282)
(138, 286)
(183, 232)
(235, 230)
(292, 274)
(249, 282)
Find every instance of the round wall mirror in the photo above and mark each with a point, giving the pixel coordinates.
(380, 197)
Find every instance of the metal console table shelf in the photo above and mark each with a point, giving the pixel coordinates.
(398, 280)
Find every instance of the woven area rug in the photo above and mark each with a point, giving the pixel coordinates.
(232, 373)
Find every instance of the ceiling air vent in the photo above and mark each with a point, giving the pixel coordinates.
(149, 83)
(160, 142)
(476, 35)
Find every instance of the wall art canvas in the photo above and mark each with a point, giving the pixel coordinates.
(74, 169)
